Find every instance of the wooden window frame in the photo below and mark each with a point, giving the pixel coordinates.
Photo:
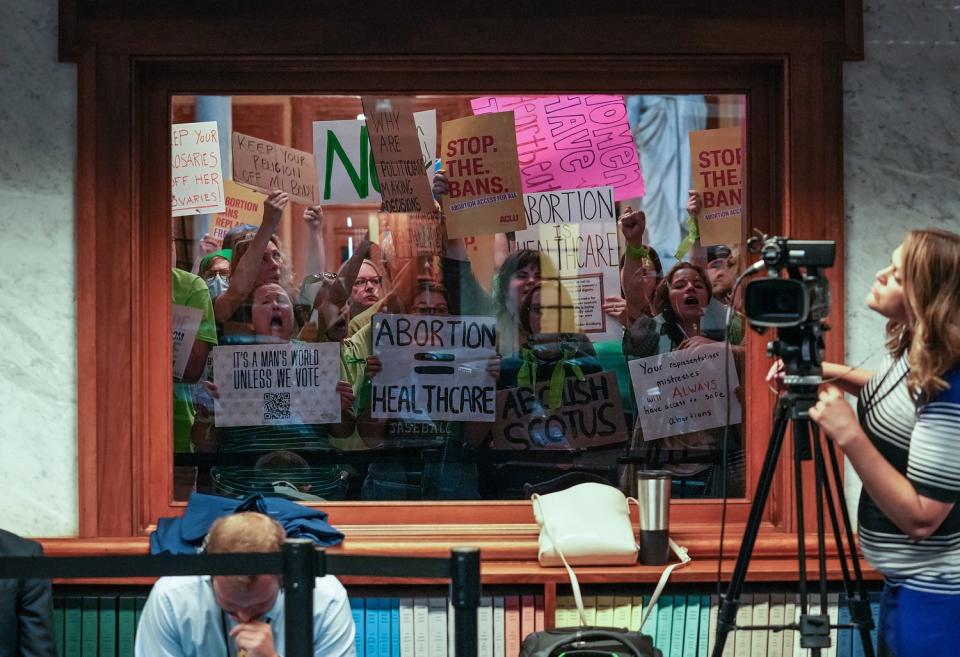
(794, 101)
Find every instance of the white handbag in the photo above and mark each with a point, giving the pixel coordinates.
(589, 525)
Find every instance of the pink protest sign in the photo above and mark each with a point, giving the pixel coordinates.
(570, 142)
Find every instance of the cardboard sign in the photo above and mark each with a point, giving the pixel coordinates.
(277, 384)
(186, 323)
(197, 175)
(244, 206)
(716, 161)
(345, 161)
(577, 231)
(397, 154)
(568, 142)
(434, 367)
(480, 157)
(591, 415)
(267, 166)
(411, 235)
(684, 391)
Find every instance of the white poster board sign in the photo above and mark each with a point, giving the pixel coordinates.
(577, 230)
(684, 391)
(196, 176)
(346, 170)
(277, 384)
(434, 367)
(186, 323)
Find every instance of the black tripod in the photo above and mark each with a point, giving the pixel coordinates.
(814, 628)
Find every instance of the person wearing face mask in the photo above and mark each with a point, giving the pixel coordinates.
(215, 270)
(225, 615)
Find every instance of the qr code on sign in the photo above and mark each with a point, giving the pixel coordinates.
(276, 406)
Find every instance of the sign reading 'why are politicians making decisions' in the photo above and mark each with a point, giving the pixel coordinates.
(577, 230)
(434, 368)
(244, 206)
(685, 391)
(480, 156)
(590, 415)
(397, 154)
(568, 142)
(276, 384)
(346, 163)
(716, 158)
(267, 166)
(197, 175)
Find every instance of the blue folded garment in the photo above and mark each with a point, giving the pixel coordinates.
(185, 535)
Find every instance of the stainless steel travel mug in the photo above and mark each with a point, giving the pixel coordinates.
(653, 493)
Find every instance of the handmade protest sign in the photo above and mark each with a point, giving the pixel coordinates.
(267, 166)
(244, 206)
(276, 384)
(345, 161)
(397, 154)
(577, 230)
(684, 391)
(186, 323)
(568, 142)
(480, 157)
(716, 158)
(410, 235)
(590, 415)
(197, 176)
(434, 367)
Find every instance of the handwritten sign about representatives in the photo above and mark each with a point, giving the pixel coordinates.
(276, 384)
(244, 206)
(397, 154)
(567, 142)
(186, 323)
(434, 367)
(716, 158)
(590, 415)
(197, 175)
(480, 157)
(267, 166)
(684, 391)
(577, 230)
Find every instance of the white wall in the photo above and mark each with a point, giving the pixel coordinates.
(38, 411)
(902, 171)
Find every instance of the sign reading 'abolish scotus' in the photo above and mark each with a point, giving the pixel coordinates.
(434, 367)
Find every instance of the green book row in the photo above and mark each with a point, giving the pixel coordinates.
(96, 625)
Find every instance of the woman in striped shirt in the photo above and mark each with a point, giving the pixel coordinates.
(904, 442)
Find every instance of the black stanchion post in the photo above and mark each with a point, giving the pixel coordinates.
(465, 596)
(298, 584)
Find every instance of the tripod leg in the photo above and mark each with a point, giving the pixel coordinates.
(820, 622)
(856, 591)
(726, 618)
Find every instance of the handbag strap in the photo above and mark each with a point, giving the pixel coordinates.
(680, 551)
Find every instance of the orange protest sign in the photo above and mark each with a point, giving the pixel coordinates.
(716, 158)
(480, 157)
(244, 206)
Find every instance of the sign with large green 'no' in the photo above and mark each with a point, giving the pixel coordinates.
(346, 170)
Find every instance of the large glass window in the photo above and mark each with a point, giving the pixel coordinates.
(456, 297)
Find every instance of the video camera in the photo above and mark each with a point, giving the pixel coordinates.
(785, 302)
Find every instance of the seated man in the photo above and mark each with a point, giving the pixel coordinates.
(241, 614)
(26, 606)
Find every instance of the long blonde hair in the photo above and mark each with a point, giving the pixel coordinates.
(931, 287)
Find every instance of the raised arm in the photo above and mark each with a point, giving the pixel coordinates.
(315, 253)
(245, 272)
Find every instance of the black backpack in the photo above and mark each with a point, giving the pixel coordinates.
(588, 642)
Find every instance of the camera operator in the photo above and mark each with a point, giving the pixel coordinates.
(904, 442)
